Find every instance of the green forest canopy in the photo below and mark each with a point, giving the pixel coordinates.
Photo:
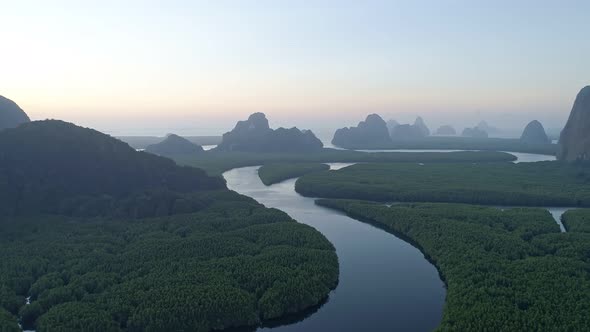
(233, 263)
(532, 184)
(577, 220)
(77, 238)
(508, 270)
(58, 168)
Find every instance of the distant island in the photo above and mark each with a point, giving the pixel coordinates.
(174, 145)
(534, 133)
(142, 142)
(11, 115)
(375, 131)
(475, 132)
(445, 130)
(370, 135)
(403, 132)
(371, 131)
(255, 135)
(421, 125)
(484, 126)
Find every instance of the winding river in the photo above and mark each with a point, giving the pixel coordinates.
(385, 283)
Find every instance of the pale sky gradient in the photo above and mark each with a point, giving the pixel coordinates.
(195, 67)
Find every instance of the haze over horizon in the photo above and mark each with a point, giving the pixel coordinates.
(196, 67)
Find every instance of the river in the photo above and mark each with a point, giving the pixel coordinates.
(521, 157)
(385, 283)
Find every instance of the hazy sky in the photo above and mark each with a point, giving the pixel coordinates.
(195, 67)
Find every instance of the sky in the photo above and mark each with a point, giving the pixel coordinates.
(196, 67)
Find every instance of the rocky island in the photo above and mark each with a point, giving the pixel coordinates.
(474, 132)
(371, 131)
(484, 126)
(446, 130)
(173, 146)
(574, 140)
(411, 132)
(419, 123)
(534, 133)
(407, 132)
(255, 135)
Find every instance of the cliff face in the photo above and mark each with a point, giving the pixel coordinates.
(11, 115)
(255, 135)
(574, 140)
(372, 131)
(534, 133)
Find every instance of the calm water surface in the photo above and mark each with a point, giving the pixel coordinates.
(385, 283)
(520, 157)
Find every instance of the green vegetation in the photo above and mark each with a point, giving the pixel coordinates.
(464, 143)
(8, 323)
(274, 173)
(58, 168)
(528, 184)
(232, 263)
(505, 270)
(576, 220)
(75, 237)
(217, 162)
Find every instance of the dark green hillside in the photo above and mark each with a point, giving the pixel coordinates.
(274, 173)
(212, 259)
(506, 270)
(57, 167)
(531, 184)
(233, 263)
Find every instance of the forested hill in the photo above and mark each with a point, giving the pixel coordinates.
(206, 259)
(57, 167)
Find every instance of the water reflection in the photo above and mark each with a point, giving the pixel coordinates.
(385, 283)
